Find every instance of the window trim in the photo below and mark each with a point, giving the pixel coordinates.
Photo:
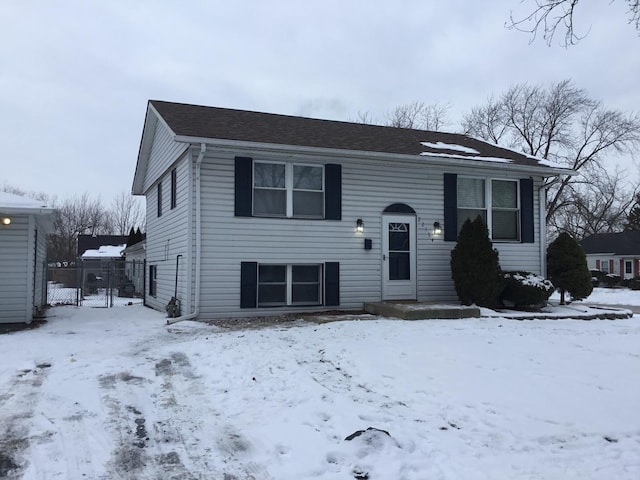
(628, 263)
(174, 188)
(153, 280)
(604, 263)
(489, 208)
(289, 189)
(289, 285)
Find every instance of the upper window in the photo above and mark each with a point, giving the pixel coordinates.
(503, 215)
(160, 199)
(174, 188)
(288, 190)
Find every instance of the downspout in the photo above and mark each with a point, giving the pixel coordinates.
(196, 309)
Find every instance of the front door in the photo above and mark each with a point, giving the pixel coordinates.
(398, 257)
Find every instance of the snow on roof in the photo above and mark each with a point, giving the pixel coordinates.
(468, 157)
(105, 251)
(450, 146)
(16, 202)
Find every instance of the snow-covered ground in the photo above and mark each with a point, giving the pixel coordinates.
(115, 393)
(612, 296)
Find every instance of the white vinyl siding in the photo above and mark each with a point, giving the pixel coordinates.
(164, 151)
(16, 271)
(167, 237)
(367, 189)
(369, 185)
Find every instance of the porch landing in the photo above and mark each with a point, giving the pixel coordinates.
(412, 310)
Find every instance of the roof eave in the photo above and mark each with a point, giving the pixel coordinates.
(234, 145)
(151, 120)
(27, 210)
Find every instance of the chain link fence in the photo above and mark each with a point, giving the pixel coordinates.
(103, 283)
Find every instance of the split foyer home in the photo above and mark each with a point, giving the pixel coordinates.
(254, 214)
(614, 253)
(24, 226)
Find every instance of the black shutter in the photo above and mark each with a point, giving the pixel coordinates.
(243, 187)
(526, 210)
(450, 207)
(248, 284)
(332, 283)
(333, 191)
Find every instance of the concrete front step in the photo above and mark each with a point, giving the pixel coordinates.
(420, 310)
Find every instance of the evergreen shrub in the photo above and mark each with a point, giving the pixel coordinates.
(475, 268)
(525, 289)
(567, 268)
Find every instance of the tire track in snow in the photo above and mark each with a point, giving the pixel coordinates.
(23, 394)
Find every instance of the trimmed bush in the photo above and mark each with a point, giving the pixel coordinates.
(525, 289)
(610, 280)
(475, 269)
(567, 268)
(634, 283)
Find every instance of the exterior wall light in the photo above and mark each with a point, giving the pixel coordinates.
(437, 229)
(5, 221)
(359, 226)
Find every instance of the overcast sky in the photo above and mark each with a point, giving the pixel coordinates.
(76, 75)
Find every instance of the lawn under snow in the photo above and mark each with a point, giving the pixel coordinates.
(612, 296)
(115, 393)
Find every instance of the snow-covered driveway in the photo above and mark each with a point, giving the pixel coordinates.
(108, 394)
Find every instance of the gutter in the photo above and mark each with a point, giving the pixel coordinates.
(196, 311)
(234, 146)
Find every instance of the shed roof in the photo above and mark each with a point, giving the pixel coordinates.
(10, 203)
(623, 243)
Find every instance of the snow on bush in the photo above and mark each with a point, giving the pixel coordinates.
(526, 289)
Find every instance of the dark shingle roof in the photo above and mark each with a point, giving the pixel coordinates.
(624, 243)
(241, 125)
(89, 242)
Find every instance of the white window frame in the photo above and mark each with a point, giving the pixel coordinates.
(488, 206)
(289, 284)
(604, 263)
(289, 167)
(630, 264)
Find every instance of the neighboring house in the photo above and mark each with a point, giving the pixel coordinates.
(614, 253)
(94, 242)
(134, 261)
(255, 214)
(24, 226)
(100, 260)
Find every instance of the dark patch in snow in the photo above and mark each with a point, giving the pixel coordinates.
(360, 474)
(7, 465)
(129, 459)
(610, 439)
(171, 458)
(368, 430)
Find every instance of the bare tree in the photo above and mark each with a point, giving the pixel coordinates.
(552, 16)
(561, 124)
(75, 216)
(419, 115)
(633, 217)
(598, 204)
(364, 117)
(126, 212)
(23, 193)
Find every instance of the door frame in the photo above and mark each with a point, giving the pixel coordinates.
(399, 289)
